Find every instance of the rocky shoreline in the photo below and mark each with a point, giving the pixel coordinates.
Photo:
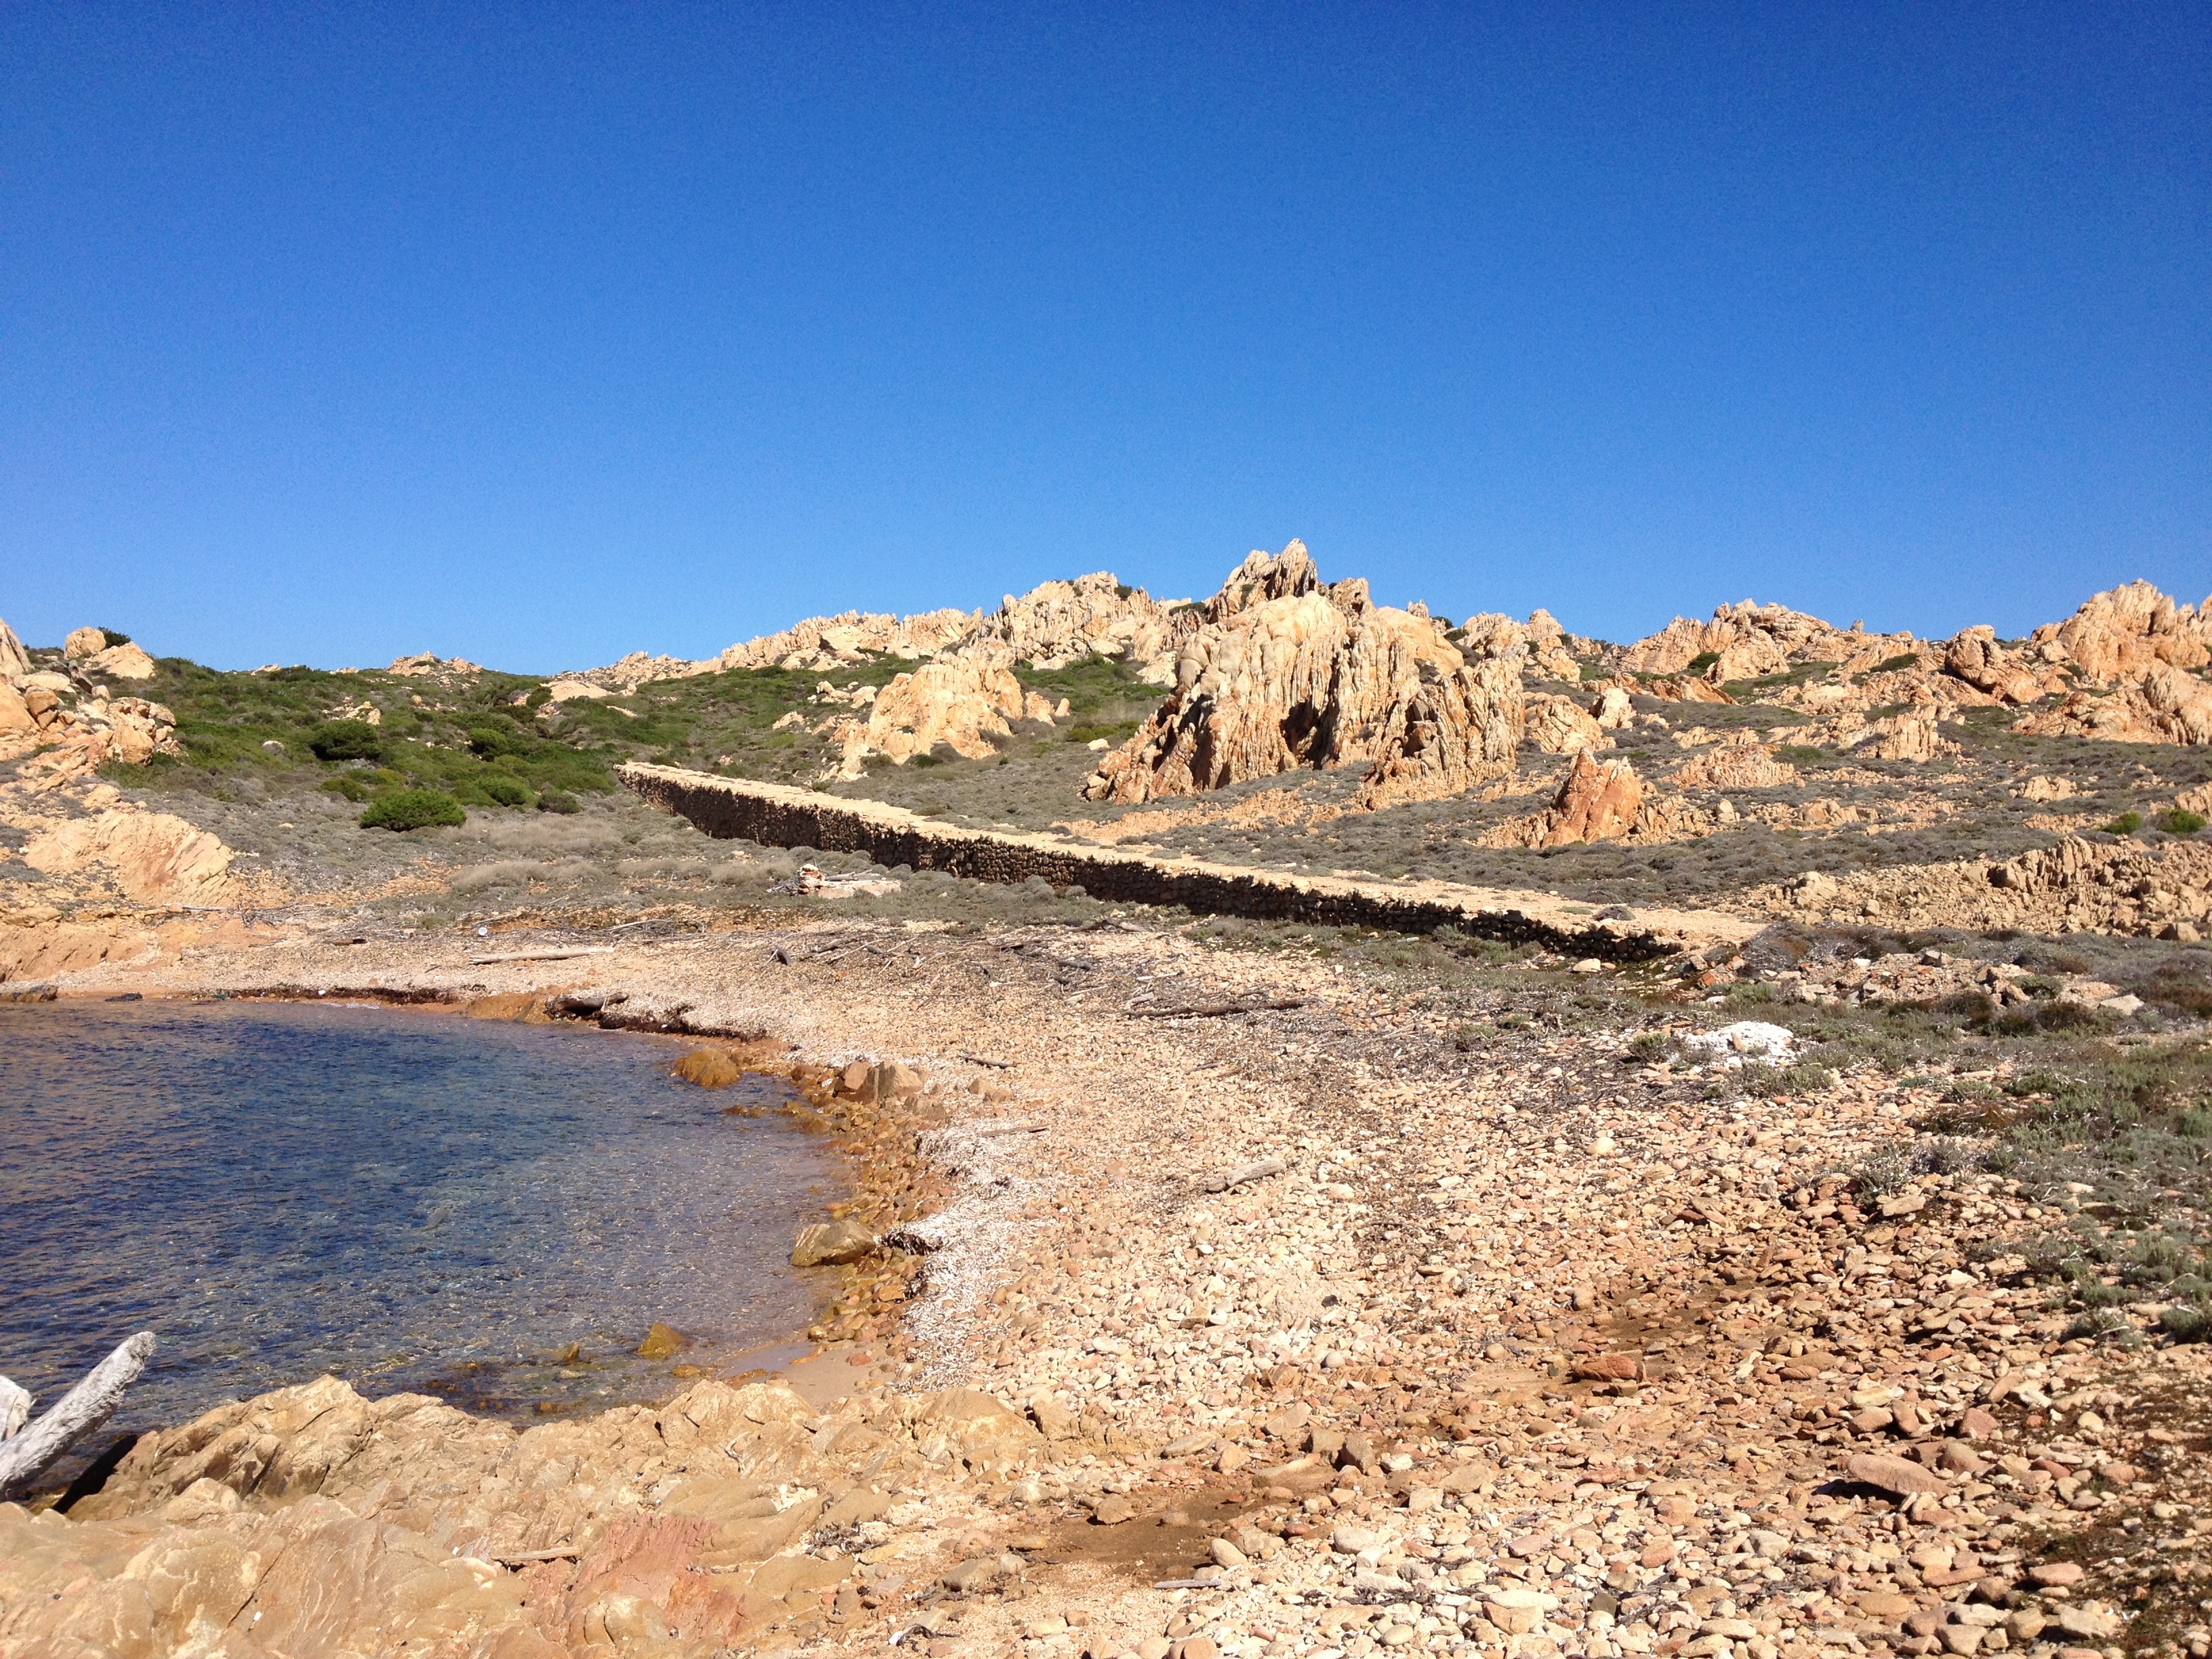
(1525, 1346)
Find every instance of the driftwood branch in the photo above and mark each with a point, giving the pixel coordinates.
(984, 1060)
(544, 955)
(1216, 1010)
(1251, 1172)
(25, 1456)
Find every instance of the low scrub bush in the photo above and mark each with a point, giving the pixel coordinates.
(345, 740)
(412, 809)
(2181, 822)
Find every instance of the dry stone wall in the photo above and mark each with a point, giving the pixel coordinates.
(777, 814)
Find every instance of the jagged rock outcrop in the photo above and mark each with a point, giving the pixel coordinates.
(1447, 732)
(1974, 656)
(1910, 735)
(964, 703)
(2169, 705)
(1558, 726)
(2124, 632)
(825, 642)
(427, 665)
(312, 1521)
(1547, 650)
(1286, 673)
(1053, 624)
(2074, 885)
(1597, 801)
(1736, 766)
(1059, 622)
(1748, 640)
(15, 661)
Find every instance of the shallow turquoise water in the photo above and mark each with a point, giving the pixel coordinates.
(407, 1200)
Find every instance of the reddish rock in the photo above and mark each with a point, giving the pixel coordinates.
(1609, 1368)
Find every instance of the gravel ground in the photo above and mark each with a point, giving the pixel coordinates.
(1531, 1347)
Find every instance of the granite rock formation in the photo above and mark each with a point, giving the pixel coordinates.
(1285, 671)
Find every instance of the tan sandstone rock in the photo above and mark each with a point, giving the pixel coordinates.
(82, 642)
(15, 661)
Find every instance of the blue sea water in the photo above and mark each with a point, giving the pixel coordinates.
(493, 1214)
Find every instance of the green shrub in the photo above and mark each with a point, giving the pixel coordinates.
(2181, 822)
(2126, 824)
(114, 636)
(412, 809)
(1702, 661)
(345, 740)
(1800, 754)
(348, 785)
(506, 791)
(552, 801)
(1894, 664)
(490, 740)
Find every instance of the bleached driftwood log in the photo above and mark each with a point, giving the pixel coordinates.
(25, 1456)
(15, 1407)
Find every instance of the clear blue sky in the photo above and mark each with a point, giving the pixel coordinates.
(542, 333)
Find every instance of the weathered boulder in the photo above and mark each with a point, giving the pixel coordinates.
(121, 662)
(1597, 801)
(1613, 709)
(150, 856)
(15, 718)
(15, 661)
(84, 642)
(832, 1244)
(1974, 656)
(964, 703)
(1558, 726)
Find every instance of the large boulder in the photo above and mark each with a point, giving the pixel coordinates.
(121, 662)
(151, 856)
(15, 661)
(1974, 656)
(82, 642)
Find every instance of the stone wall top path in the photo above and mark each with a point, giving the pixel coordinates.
(779, 815)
